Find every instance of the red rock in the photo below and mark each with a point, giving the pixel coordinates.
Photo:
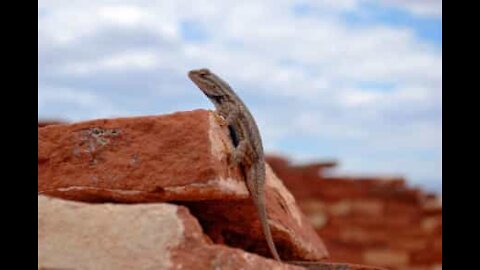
(432, 205)
(420, 267)
(392, 223)
(339, 208)
(74, 235)
(387, 258)
(367, 207)
(278, 163)
(432, 224)
(344, 252)
(428, 256)
(364, 237)
(294, 236)
(411, 244)
(395, 208)
(381, 218)
(314, 170)
(44, 123)
(140, 159)
(335, 266)
(315, 212)
(311, 169)
(181, 157)
(437, 243)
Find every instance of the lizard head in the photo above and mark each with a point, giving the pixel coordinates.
(208, 82)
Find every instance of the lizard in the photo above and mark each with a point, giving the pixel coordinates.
(248, 152)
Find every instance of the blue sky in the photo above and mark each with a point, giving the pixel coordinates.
(358, 81)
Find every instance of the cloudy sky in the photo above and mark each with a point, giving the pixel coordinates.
(358, 81)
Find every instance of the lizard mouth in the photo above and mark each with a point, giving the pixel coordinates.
(214, 97)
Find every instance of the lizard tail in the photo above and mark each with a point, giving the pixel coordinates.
(258, 195)
(268, 234)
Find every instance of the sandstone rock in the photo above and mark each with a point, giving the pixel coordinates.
(387, 257)
(341, 251)
(335, 266)
(427, 256)
(44, 123)
(81, 236)
(138, 159)
(432, 224)
(226, 222)
(376, 220)
(367, 207)
(182, 157)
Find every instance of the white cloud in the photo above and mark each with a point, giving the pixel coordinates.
(135, 60)
(424, 8)
(75, 104)
(82, 98)
(124, 15)
(357, 98)
(431, 8)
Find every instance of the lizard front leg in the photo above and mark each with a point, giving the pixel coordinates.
(240, 153)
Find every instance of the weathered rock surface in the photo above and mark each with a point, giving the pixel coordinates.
(236, 223)
(45, 123)
(335, 266)
(138, 159)
(182, 158)
(82, 236)
(376, 221)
